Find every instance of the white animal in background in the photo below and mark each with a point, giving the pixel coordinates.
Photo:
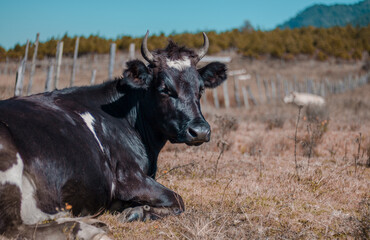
(304, 99)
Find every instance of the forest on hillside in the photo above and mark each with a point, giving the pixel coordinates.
(340, 42)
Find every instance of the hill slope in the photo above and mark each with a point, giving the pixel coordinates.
(328, 16)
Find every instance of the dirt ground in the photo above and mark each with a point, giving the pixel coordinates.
(248, 183)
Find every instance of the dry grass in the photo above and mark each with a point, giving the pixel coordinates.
(256, 193)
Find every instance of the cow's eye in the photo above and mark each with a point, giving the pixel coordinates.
(168, 92)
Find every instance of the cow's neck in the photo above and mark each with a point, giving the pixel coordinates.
(130, 106)
(153, 141)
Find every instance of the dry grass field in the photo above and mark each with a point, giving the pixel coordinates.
(245, 184)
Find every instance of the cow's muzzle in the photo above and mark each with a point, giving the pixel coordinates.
(197, 132)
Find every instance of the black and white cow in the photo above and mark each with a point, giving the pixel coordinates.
(85, 149)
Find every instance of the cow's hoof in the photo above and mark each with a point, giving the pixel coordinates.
(140, 213)
(144, 213)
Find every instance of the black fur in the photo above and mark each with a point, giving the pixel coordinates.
(136, 76)
(213, 74)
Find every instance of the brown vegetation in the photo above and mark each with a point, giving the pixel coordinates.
(319, 43)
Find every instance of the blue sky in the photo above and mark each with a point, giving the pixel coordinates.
(22, 19)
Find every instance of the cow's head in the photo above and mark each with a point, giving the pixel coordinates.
(172, 87)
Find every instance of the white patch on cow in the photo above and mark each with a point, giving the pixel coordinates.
(180, 64)
(30, 213)
(13, 175)
(113, 189)
(1, 146)
(89, 120)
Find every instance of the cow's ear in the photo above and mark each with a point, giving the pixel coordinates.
(136, 76)
(213, 74)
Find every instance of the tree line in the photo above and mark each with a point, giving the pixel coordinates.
(340, 42)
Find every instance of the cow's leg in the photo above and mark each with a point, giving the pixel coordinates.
(64, 228)
(152, 199)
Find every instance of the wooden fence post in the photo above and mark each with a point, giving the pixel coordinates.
(245, 98)
(278, 86)
(18, 80)
(286, 87)
(265, 84)
(33, 64)
(58, 63)
(215, 98)
(20, 73)
(251, 95)
(258, 81)
(111, 60)
(93, 74)
(295, 86)
(236, 91)
(226, 95)
(132, 51)
(273, 89)
(49, 77)
(75, 53)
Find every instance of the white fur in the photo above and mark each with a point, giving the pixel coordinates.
(179, 64)
(89, 120)
(30, 213)
(113, 188)
(304, 99)
(1, 146)
(13, 174)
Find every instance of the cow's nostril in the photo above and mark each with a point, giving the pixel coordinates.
(192, 132)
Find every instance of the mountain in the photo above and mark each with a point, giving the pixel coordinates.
(320, 15)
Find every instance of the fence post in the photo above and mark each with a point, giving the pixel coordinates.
(295, 86)
(251, 95)
(215, 98)
(265, 84)
(236, 91)
(278, 86)
(58, 63)
(49, 76)
(273, 89)
(245, 98)
(93, 74)
(18, 80)
(33, 64)
(20, 73)
(74, 62)
(286, 87)
(112, 56)
(258, 80)
(132, 51)
(226, 95)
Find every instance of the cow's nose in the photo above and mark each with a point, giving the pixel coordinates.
(199, 132)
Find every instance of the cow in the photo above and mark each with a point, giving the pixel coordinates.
(80, 150)
(304, 99)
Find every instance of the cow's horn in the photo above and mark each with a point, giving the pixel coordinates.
(144, 49)
(203, 50)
